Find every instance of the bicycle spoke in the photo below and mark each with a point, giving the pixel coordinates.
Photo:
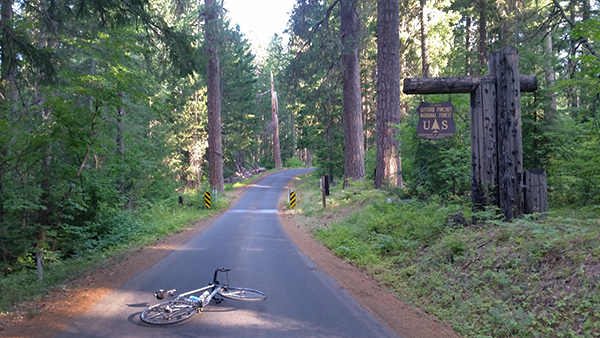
(167, 313)
(242, 294)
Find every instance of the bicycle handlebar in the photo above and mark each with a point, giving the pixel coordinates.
(217, 272)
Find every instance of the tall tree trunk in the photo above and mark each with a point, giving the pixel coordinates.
(354, 152)
(468, 47)
(121, 150)
(482, 35)
(215, 151)
(423, 18)
(7, 61)
(550, 77)
(8, 58)
(329, 130)
(92, 72)
(503, 8)
(196, 149)
(572, 94)
(275, 119)
(46, 213)
(388, 94)
(585, 10)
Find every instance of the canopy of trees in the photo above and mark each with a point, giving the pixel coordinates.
(104, 103)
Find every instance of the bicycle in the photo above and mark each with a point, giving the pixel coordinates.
(184, 305)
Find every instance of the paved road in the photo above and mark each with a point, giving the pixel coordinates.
(248, 239)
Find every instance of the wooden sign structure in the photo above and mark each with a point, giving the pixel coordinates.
(497, 176)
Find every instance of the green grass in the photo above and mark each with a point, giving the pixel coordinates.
(533, 277)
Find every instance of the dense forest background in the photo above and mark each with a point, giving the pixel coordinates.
(104, 105)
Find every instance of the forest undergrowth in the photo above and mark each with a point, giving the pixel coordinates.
(533, 277)
(129, 231)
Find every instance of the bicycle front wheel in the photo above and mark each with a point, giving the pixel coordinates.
(168, 313)
(235, 293)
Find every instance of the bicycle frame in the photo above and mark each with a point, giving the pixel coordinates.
(183, 306)
(215, 286)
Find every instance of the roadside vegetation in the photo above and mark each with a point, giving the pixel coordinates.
(125, 231)
(534, 277)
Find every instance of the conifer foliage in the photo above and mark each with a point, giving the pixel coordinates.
(102, 114)
(107, 107)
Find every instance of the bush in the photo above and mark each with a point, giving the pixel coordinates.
(294, 162)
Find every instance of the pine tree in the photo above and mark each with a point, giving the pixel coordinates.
(215, 148)
(388, 95)
(354, 152)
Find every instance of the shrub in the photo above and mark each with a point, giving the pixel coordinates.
(294, 162)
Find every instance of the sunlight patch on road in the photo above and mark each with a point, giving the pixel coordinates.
(254, 211)
(259, 186)
(257, 320)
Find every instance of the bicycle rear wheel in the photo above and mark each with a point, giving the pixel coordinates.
(168, 312)
(236, 293)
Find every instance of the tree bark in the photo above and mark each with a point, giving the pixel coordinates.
(196, 149)
(468, 47)
(8, 57)
(504, 9)
(388, 167)
(482, 34)
(275, 118)
(121, 149)
(423, 18)
(215, 151)
(550, 76)
(354, 152)
(585, 10)
(46, 213)
(572, 94)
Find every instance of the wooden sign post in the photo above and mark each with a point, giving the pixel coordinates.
(497, 176)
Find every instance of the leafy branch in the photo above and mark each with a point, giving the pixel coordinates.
(581, 39)
(314, 28)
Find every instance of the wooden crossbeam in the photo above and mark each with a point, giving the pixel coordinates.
(459, 84)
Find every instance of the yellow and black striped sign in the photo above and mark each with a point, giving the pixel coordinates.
(292, 199)
(207, 200)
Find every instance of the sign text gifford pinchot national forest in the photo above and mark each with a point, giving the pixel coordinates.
(436, 120)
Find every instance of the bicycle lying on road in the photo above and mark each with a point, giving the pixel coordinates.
(184, 305)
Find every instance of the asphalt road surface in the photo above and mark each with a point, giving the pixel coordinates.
(302, 300)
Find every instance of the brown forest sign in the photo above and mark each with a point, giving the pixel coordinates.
(436, 120)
